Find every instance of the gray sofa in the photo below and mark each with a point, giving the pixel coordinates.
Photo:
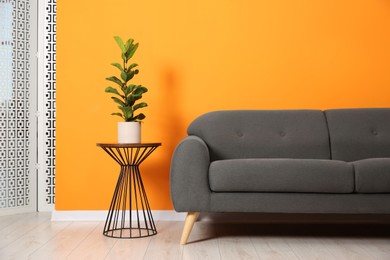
(283, 161)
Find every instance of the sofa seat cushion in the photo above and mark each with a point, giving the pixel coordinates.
(372, 175)
(281, 175)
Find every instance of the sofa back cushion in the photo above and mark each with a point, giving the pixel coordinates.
(263, 134)
(357, 134)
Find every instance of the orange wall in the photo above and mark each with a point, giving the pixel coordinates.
(198, 56)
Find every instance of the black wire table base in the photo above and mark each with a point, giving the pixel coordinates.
(129, 215)
(130, 233)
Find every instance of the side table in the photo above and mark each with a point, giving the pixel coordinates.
(129, 215)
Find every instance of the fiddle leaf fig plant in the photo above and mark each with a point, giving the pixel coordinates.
(126, 95)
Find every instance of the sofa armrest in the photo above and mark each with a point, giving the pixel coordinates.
(189, 182)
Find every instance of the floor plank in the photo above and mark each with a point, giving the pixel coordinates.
(5, 221)
(381, 247)
(309, 248)
(237, 248)
(357, 248)
(95, 246)
(203, 243)
(31, 241)
(20, 225)
(233, 242)
(274, 248)
(62, 245)
(134, 248)
(165, 245)
(34, 236)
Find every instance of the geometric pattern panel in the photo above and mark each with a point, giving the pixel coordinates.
(50, 99)
(15, 106)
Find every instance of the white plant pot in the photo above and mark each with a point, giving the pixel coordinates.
(129, 132)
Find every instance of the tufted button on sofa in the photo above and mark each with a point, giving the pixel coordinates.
(283, 161)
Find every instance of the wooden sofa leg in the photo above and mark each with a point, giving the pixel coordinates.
(188, 224)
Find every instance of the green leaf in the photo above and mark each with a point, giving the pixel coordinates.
(117, 100)
(128, 114)
(131, 100)
(130, 75)
(130, 52)
(117, 114)
(140, 105)
(129, 43)
(117, 65)
(120, 44)
(124, 76)
(112, 90)
(140, 90)
(139, 117)
(132, 66)
(126, 109)
(115, 80)
(129, 89)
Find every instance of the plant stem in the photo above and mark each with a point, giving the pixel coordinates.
(124, 85)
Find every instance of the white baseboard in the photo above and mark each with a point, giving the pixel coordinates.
(265, 218)
(100, 215)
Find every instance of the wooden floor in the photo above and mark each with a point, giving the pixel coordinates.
(34, 236)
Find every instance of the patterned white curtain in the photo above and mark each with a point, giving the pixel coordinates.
(49, 100)
(17, 125)
(27, 109)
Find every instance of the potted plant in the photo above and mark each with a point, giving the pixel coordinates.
(127, 95)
